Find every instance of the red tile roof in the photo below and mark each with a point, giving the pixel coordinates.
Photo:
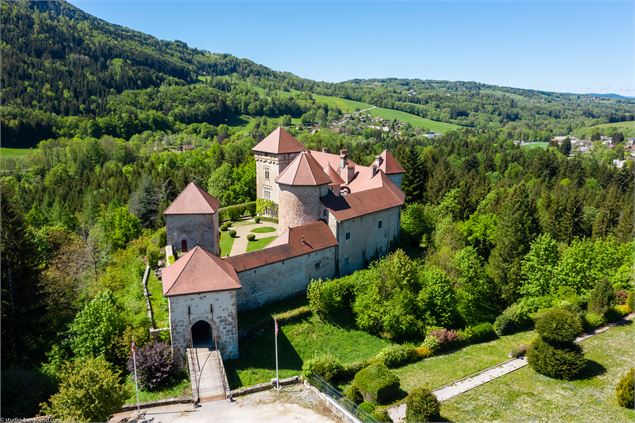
(371, 195)
(295, 242)
(198, 271)
(193, 200)
(326, 159)
(279, 142)
(304, 170)
(389, 164)
(336, 179)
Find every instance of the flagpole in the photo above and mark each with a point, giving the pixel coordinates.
(276, 330)
(136, 385)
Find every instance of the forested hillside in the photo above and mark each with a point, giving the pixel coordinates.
(63, 67)
(123, 122)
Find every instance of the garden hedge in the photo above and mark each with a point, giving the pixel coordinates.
(558, 325)
(377, 384)
(558, 362)
(395, 355)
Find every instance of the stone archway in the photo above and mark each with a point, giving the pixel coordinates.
(202, 335)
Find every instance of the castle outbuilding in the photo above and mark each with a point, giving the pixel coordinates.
(335, 217)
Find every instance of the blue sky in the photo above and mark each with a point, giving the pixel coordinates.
(568, 46)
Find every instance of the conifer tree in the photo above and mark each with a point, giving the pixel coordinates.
(413, 183)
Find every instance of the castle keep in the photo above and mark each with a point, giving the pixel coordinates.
(335, 217)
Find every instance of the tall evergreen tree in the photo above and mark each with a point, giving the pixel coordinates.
(144, 202)
(413, 183)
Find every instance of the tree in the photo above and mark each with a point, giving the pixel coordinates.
(89, 390)
(155, 365)
(625, 390)
(475, 290)
(120, 227)
(539, 266)
(144, 202)
(515, 231)
(437, 299)
(565, 147)
(416, 223)
(96, 328)
(413, 183)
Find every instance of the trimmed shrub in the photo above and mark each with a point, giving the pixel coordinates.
(630, 300)
(257, 219)
(601, 297)
(382, 416)
(447, 338)
(622, 310)
(558, 325)
(519, 351)
(155, 365)
(250, 208)
(621, 296)
(349, 370)
(423, 352)
(593, 320)
(511, 320)
(624, 390)
(562, 362)
(225, 226)
(352, 393)
(431, 343)
(377, 384)
(251, 237)
(325, 365)
(395, 355)
(368, 407)
(232, 233)
(479, 333)
(422, 406)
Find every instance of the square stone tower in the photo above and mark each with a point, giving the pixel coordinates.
(273, 154)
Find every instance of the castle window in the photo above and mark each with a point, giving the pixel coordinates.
(267, 172)
(379, 224)
(266, 192)
(348, 235)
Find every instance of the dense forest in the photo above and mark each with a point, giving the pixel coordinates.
(487, 223)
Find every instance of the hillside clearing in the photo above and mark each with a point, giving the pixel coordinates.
(414, 120)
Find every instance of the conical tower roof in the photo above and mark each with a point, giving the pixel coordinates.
(304, 170)
(279, 142)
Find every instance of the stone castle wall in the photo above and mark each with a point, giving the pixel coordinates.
(196, 229)
(224, 321)
(300, 205)
(366, 241)
(283, 279)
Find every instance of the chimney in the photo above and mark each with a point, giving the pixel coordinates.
(374, 168)
(324, 150)
(378, 161)
(343, 159)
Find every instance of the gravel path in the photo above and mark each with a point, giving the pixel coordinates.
(398, 412)
(241, 242)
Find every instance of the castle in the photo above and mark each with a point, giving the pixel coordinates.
(335, 216)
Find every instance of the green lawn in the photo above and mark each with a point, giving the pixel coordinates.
(414, 120)
(626, 127)
(440, 370)
(525, 395)
(259, 244)
(180, 388)
(346, 106)
(263, 230)
(13, 152)
(542, 145)
(158, 301)
(226, 243)
(297, 341)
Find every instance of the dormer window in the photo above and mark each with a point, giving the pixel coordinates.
(267, 173)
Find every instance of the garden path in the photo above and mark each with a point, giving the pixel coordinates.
(398, 412)
(244, 229)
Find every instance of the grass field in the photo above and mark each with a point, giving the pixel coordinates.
(346, 106)
(627, 128)
(226, 243)
(259, 244)
(181, 387)
(542, 145)
(158, 301)
(414, 120)
(263, 230)
(297, 341)
(525, 395)
(437, 371)
(14, 152)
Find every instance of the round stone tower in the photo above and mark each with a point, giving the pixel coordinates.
(301, 185)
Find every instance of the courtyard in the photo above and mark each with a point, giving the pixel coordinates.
(264, 232)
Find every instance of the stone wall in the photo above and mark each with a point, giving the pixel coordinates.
(276, 164)
(224, 321)
(300, 204)
(196, 229)
(366, 241)
(284, 279)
